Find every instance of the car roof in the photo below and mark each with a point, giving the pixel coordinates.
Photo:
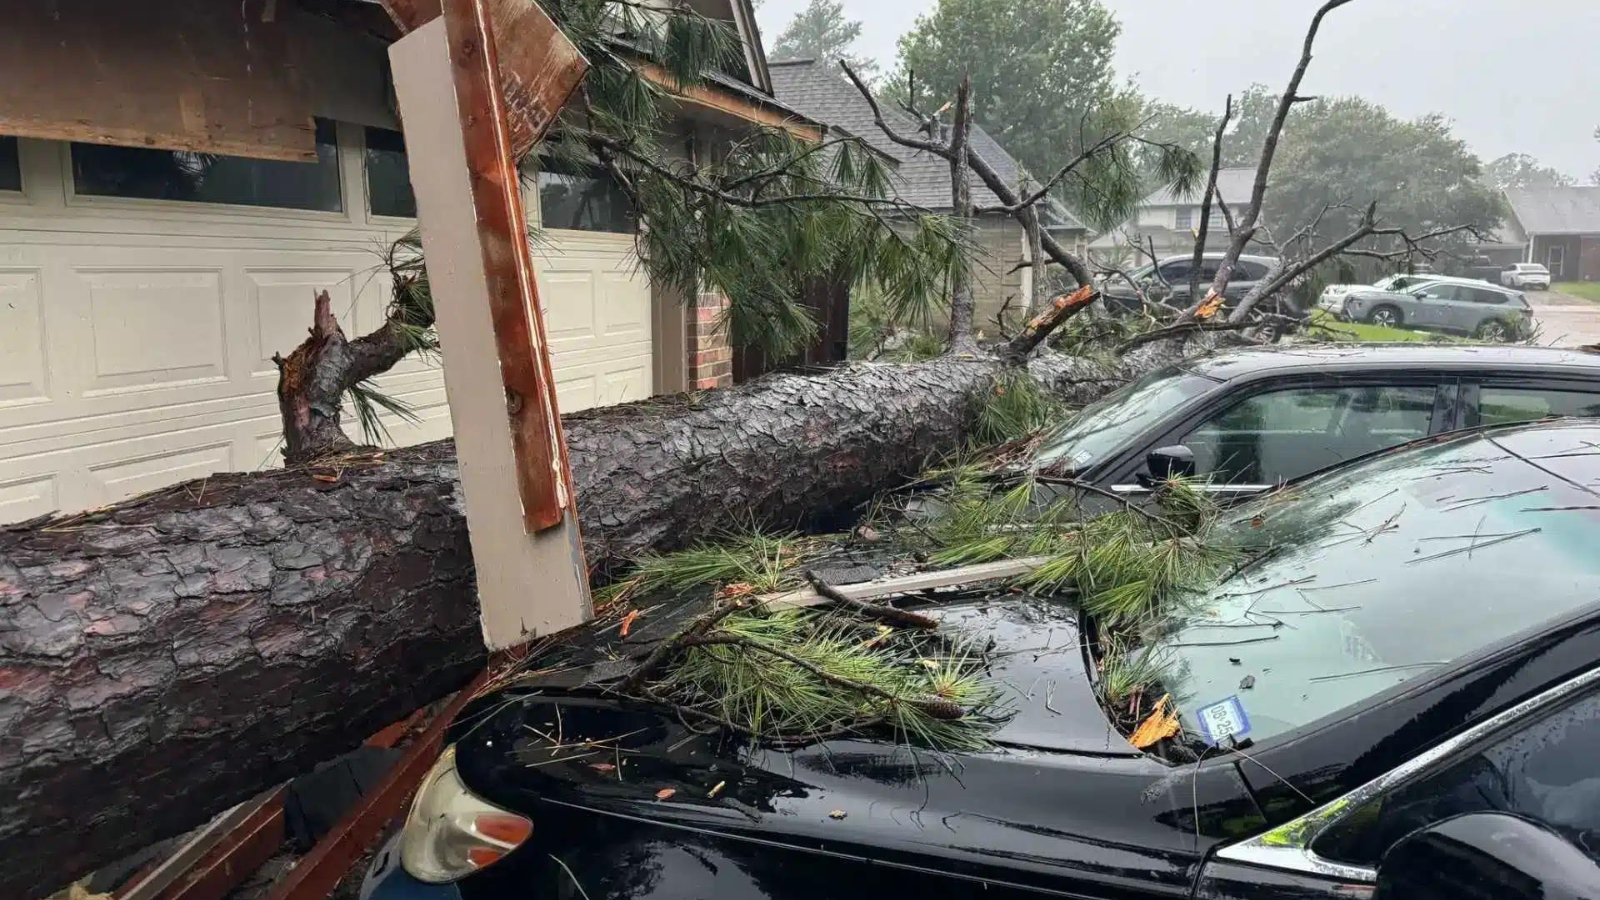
(1260, 361)
(1264, 260)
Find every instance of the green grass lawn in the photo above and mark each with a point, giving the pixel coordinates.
(1587, 290)
(1360, 331)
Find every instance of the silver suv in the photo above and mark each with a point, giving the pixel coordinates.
(1479, 309)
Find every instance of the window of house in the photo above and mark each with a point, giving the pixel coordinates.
(10, 165)
(1547, 770)
(1273, 437)
(1186, 217)
(147, 174)
(582, 200)
(388, 175)
(1505, 405)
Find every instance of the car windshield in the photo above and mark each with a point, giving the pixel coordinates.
(1379, 573)
(1101, 429)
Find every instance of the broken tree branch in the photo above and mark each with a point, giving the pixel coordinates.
(985, 172)
(1204, 231)
(1246, 227)
(963, 305)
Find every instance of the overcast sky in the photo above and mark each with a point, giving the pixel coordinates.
(1514, 75)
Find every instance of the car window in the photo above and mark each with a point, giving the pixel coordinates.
(1176, 271)
(1277, 436)
(1351, 576)
(1505, 405)
(1249, 271)
(1437, 291)
(1208, 268)
(1102, 429)
(1547, 770)
(1480, 295)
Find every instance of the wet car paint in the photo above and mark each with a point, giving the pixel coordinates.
(667, 812)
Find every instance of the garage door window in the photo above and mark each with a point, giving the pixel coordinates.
(582, 200)
(146, 174)
(10, 165)
(389, 175)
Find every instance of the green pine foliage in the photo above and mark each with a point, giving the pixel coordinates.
(772, 698)
(757, 219)
(1016, 408)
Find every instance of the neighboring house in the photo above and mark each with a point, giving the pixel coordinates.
(821, 93)
(144, 291)
(1558, 226)
(1171, 221)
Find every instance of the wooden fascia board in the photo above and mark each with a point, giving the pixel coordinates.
(711, 97)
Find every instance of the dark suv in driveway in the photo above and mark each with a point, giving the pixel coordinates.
(1249, 420)
(1169, 280)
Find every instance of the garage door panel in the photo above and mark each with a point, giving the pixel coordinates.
(27, 497)
(568, 300)
(625, 306)
(279, 305)
(23, 365)
(153, 328)
(141, 474)
(135, 349)
(576, 391)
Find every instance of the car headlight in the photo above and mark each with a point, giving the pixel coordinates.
(449, 833)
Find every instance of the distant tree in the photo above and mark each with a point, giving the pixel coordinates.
(1519, 170)
(1348, 153)
(1596, 176)
(1042, 77)
(821, 32)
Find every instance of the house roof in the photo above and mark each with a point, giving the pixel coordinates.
(1558, 210)
(1235, 185)
(822, 94)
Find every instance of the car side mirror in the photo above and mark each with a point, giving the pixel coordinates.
(1167, 463)
(1486, 856)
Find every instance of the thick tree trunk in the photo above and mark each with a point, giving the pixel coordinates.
(166, 658)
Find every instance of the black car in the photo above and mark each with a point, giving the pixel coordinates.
(1402, 690)
(1249, 420)
(1168, 281)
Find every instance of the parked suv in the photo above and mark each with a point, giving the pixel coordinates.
(1333, 296)
(1531, 276)
(1478, 309)
(1168, 281)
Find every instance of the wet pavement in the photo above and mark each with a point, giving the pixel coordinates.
(1564, 320)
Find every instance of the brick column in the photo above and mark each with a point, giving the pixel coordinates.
(710, 356)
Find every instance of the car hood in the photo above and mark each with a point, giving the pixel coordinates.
(591, 770)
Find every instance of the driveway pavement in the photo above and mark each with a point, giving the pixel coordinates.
(1564, 320)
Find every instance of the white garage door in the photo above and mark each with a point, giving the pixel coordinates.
(136, 335)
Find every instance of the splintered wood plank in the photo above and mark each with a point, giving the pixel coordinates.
(538, 67)
(491, 124)
(910, 584)
(516, 486)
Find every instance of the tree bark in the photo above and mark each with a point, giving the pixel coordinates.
(963, 305)
(168, 657)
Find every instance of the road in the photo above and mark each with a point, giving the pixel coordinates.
(1564, 320)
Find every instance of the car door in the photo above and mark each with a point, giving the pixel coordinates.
(1540, 760)
(1507, 399)
(1254, 440)
(1430, 306)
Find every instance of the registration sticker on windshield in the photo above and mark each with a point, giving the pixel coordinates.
(1222, 720)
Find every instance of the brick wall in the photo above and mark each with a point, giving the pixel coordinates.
(710, 356)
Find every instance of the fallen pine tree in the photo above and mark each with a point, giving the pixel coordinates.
(168, 657)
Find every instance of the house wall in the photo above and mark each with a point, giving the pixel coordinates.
(997, 283)
(1571, 263)
(1158, 217)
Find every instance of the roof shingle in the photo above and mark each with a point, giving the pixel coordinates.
(1560, 210)
(923, 179)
